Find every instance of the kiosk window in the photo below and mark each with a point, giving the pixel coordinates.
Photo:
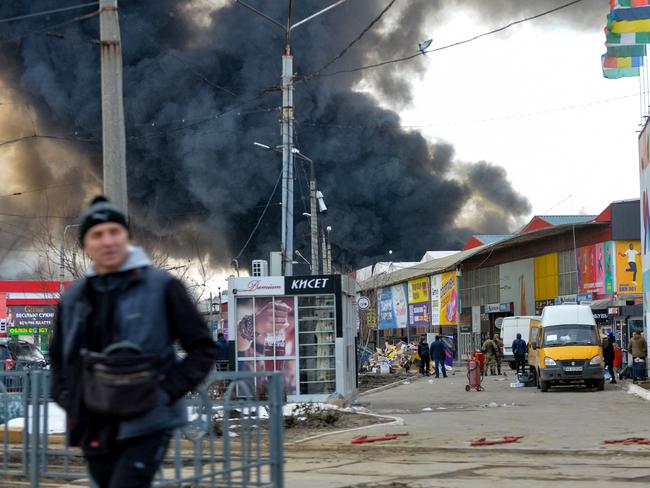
(317, 332)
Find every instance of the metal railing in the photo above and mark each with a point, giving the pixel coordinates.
(233, 437)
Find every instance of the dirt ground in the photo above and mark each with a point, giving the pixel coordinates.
(369, 381)
(322, 422)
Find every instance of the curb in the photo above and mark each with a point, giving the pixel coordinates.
(388, 386)
(397, 421)
(492, 449)
(638, 391)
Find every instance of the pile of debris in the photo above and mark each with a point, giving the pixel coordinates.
(393, 358)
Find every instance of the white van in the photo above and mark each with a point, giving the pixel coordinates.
(510, 327)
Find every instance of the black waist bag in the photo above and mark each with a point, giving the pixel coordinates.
(121, 381)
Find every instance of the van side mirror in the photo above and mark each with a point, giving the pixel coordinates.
(533, 345)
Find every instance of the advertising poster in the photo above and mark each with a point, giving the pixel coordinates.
(609, 262)
(266, 330)
(591, 269)
(448, 299)
(393, 310)
(29, 319)
(644, 172)
(435, 300)
(628, 265)
(420, 314)
(419, 290)
(517, 285)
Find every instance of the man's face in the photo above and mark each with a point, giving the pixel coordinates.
(107, 245)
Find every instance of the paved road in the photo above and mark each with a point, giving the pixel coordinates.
(563, 430)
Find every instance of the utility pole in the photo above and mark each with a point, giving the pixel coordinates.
(324, 252)
(329, 251)
(113, 132)
(314, 218)
(287, 157)
(287, 127)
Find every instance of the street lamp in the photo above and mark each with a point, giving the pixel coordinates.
(298, 253)
(62, 259)
(287, 127)
(317, 203)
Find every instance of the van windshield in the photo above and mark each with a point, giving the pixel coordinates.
(570, 334)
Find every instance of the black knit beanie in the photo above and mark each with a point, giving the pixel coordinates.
(100, 211)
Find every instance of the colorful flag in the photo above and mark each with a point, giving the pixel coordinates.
(636, 50)
(627, 39)
(625, 26)
(614, 68)
(635, 13)
(613, 4)
(630, 62)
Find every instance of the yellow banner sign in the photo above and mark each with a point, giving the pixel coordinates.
(419, 290)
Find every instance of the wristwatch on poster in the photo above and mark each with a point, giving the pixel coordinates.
(245, 327)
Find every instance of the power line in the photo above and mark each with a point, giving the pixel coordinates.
(48, 136)
(458, 43)
(349, 46)
(259, 221)
(468, 122)
(45, 188)
(48, 12)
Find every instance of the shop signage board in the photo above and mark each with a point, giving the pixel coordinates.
(435, 299)
(310, 285)
(29, 319)
(254, 286)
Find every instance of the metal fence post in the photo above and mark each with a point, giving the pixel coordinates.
(276, 428)
(35, 377)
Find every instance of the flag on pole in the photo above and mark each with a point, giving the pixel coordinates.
(614, 4)
(635, 50)
(614, 68)
(627, 39)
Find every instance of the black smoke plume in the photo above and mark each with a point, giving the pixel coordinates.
(200, 86)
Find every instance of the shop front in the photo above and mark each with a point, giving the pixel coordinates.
(495, 312)
(302, 326)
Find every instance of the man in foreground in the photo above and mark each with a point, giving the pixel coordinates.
(114, 366)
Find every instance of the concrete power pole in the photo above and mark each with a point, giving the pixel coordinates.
(314, 219)
(113, 132)
(287, 161)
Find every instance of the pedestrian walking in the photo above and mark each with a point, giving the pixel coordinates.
(519, 349)
(608, 356)
(438, 356)
(425, 358)
(498, 345)
(122, 320)
(222, 352)
(639, 349)
(490, 350)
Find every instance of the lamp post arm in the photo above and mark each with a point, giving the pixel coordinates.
(336, 4)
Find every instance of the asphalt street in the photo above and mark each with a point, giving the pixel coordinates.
(563, 433)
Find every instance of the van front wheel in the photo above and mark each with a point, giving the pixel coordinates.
(544, 385)
(600, 384)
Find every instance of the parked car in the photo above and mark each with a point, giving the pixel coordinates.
(20, 355)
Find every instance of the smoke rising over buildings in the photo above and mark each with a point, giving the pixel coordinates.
(201, 85)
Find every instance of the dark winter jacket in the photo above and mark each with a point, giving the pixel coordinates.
(438, 350)
(423, 350)
(519, 347)
(608, 351)
(222, 349)
(151, 309)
